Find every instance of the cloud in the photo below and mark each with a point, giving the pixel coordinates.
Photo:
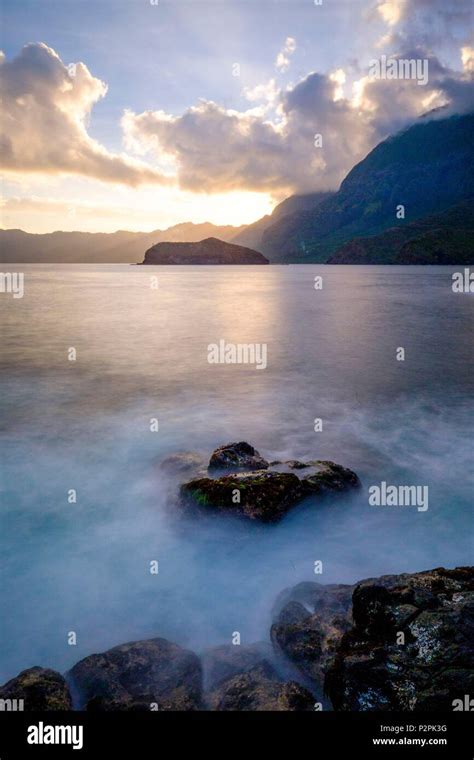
(45, 110)
(267, 92)
(282, 62)
(272, 149)
(427, 23)
(467, 57)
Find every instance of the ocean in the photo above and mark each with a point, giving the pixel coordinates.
(140, 338)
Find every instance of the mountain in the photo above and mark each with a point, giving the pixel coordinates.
(252, 234)
(445, 238)
(209, 251)
(427, 168)
(120, 247)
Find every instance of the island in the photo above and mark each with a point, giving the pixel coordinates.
(209, 251)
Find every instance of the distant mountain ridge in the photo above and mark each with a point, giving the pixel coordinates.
(252, 234)
(427, 168)
(122, 247)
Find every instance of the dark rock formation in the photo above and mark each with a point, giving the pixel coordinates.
(209, 251)
(135, 675)
(226, 661)
(328, 476)
(309, 621)
(233, 456)
(39, 688)
(411, 645)
(260, 689)
(262, 494)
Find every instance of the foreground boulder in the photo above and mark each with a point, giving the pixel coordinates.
(260, 689)
(262, 491)
(309, 621)
(136, 675)
(234, 456)
(208, 251)
(411, 644)
(39, 688)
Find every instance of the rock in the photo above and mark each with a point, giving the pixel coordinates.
(329, 476)
(264, 496)
(133, 676)
(182, 463)
(223, 663)
(40, 689)
(259, 689)
(308, 625)
(234, 456)
(373, 668)
(266, 492)
(226, 661)
(208, 251)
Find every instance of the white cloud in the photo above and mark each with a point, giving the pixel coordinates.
(215, 149)
(46, 106)
(282, 62)
(467, 58)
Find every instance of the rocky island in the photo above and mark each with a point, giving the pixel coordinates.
(210, 251)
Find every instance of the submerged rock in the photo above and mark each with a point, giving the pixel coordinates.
(411, 644)
(182, 463)
(260, 689)
(308, 625)
(262, 491)
(328, 476)
(39, 688)
(234, 456)
(136, 675)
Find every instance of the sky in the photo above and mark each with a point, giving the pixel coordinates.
(137, 114)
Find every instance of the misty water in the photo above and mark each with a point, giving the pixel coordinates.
(142, 353)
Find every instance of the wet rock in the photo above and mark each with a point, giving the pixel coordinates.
(133, 676)
(226, 661)
(259, 495)
(328, 476)
(240, 456)
(182, 463)
(260, 689)
(410, 647)
(309, 621)
(39, 688)
(262, 494)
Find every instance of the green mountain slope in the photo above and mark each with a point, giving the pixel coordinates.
(427, 168)
(445, 238)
